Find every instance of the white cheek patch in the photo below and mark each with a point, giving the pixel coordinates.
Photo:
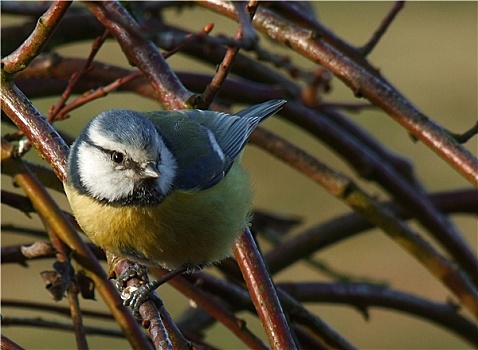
(106, 180)
(96, 174)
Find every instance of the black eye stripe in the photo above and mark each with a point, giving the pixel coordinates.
(116, 156)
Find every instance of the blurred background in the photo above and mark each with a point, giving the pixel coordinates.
(429, 53)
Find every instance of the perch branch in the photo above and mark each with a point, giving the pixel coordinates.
(45, 205)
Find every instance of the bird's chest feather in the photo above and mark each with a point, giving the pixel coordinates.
(186, 228)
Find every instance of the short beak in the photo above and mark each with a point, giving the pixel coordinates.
(150, 171)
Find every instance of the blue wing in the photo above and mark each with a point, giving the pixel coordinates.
(206, 143)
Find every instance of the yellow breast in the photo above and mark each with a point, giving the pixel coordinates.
(186, 228)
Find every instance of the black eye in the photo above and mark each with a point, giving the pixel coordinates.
(117, 157)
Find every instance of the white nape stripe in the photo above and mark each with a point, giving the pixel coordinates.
(167, 168)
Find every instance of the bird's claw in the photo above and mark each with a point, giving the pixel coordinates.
(133, 271)
(134, 297)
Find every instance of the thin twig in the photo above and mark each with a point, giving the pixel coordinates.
(98, 93)
(54, 308)
(55, 325)
(464, 137)
(75, 78)
(20, 254)
(386, 22)
(117, 83)
(225, 67)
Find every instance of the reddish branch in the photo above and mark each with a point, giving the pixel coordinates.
(263, 293)
(364, 82)
(75, 78)
(40, 133)
(32, 46)
(341, 187)
(142, 53)
(216, 310)
(369, 158)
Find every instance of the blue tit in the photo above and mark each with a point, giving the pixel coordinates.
(164, 188)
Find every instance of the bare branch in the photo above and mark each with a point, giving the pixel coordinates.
(215, 309)
(343, 188)
(365, 83)
(142, 53)
(387, 21)
(32, 47)
(263, 293)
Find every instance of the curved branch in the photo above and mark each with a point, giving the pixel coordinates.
(341, 187)
(337, 229)
(364, 82)
(364, 296)
(142, 53)
(41, 134)
(214, 308)
(34, 44)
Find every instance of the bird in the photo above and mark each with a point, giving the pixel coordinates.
(164, 188)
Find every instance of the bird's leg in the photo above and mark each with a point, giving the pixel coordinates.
(139, 296)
